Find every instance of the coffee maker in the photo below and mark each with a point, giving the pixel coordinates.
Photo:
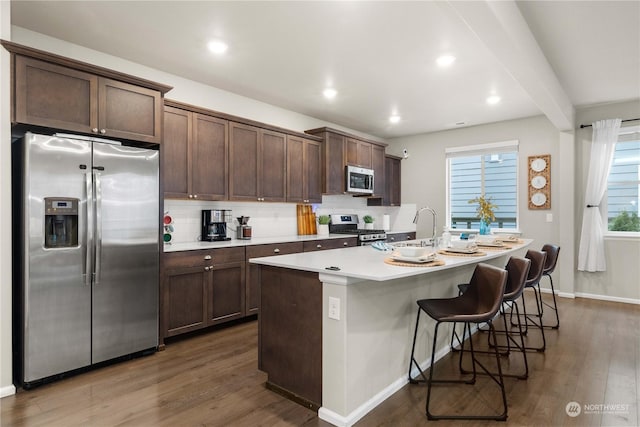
(214, 225)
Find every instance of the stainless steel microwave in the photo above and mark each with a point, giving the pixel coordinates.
(359, 180)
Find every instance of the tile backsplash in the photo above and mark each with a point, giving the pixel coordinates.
(279, 219)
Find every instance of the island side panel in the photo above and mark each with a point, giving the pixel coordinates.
(290, 329)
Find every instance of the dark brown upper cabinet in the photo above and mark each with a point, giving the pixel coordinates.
(341, 149)
(258, 161)
(60, 97)
(195, 155)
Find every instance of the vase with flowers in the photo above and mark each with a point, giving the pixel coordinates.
(485, 212)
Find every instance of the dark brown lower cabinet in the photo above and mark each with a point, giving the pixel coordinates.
(290, 333)
(253, 271)
(400, 237)
(201, 288)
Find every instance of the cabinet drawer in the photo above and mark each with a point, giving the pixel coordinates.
(257, 251)
(226, 255)
(400, 237)
(186, 259)
(321, 245)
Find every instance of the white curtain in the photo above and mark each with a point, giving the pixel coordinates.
(591, 255)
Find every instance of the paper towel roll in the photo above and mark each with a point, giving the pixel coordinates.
(385, 222)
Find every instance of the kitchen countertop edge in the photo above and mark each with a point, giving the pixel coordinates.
(233, 243)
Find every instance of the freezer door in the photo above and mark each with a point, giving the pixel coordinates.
(125, 289)
(56, 309)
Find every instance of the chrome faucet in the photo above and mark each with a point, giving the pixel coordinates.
(433, 213)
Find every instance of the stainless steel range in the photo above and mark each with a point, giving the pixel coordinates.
(348, 224)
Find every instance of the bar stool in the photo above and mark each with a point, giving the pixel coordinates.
(479, 304)
(552, 252)
(517, 272)
(538, 259)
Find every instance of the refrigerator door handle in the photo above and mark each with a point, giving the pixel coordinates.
(88, 229)
(98, 246)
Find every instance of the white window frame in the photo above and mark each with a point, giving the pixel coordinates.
(482, 149)
(604, 208)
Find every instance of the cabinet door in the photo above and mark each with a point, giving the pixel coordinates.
(243, 162)
(129, 111)
(175, 153)
(184, 302)
(377, 164)
(272, 166)
(334, 163)
(351, 149)
(252, 296)
(392, 182)
(295, 170)
(209, 158)
(226, 292)
(313, 171)
(364, 154)
(54, 96)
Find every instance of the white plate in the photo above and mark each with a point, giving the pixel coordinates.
(422, 259)
(462, 250)
(491, 244)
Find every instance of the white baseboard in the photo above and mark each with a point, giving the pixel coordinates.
(608, 298)
(560, 294)
(7, 391)
(362, 410)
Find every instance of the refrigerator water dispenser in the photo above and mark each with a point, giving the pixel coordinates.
(60, 222)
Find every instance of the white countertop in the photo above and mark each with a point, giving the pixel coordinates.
(365, 262)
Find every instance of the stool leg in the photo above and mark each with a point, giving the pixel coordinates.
(555, 305)
(503, 416)
(413, 360)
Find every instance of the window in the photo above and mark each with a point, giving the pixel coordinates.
(623, 186)
(490, 169)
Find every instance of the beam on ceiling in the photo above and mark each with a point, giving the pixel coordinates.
(500, 26)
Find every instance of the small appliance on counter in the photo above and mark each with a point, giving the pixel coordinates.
(243, 232)
(214, 225)
(348, 224)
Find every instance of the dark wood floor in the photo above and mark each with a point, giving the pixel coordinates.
(211, 379)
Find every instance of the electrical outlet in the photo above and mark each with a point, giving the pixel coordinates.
(334, 308)
(549, 217)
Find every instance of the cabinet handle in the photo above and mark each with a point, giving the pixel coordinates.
(392, 238)
(319, 246)
(207, 257)
(103, 131)
(195, 196)
(191, 196)
(345, 244)
(276, 250)
(94, 130)
(207, 268)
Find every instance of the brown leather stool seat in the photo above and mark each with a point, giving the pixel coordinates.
(479, 304)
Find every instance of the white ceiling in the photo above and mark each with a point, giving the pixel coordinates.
(541, 57)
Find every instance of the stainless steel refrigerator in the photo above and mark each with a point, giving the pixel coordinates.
(88, 253)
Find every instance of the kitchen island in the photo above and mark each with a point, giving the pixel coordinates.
(336, 327)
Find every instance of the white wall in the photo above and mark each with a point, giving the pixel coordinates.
(621, 280)
(6, 386)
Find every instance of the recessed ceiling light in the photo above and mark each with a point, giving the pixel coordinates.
(445, 60)
(394, 118)
(493, 99)
(329, 93)
(217, 46)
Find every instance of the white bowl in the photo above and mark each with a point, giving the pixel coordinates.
(412, 251)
